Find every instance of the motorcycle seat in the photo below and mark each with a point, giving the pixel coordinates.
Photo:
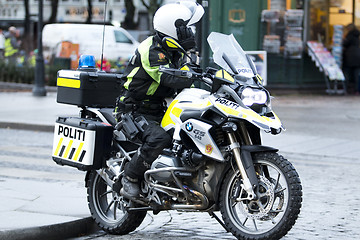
(108, 114)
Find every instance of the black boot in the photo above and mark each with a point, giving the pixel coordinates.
(133, 174)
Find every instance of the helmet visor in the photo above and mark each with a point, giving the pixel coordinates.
(197, 11)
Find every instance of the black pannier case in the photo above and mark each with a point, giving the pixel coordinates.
(91, 89)
(81, 143)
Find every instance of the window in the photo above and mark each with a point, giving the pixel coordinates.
(318, 12)
(341, 12)
(324, 15)
(120, 37)
(357, 13)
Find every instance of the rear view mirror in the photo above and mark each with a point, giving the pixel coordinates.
(172, 45)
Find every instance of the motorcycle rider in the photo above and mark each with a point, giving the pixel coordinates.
(12, 45)
(146, 87)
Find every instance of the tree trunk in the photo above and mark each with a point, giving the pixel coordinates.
(89, 17)
(54, 8)
(152, 6)
(128, 22)
(26, 41)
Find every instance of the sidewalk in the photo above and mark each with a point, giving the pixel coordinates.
(32, 209)
(44, 219)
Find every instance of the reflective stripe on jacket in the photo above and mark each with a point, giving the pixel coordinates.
(144, 81)
(9, 50)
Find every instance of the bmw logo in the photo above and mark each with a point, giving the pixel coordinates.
(189, 126)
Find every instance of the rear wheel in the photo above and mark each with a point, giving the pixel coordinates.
(278, 202)
(107, 207)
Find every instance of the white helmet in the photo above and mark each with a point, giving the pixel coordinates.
(166, 16)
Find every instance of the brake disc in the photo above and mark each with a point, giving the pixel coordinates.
(260, 208)
(279, 194)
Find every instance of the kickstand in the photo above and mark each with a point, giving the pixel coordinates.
(213, 215)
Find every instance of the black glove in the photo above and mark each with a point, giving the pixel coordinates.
(185, 35)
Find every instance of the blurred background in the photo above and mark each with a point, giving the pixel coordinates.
(298, 42)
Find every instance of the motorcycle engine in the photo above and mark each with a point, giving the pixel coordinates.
(164, 161)
(191, 158)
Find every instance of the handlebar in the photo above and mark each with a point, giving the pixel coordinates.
(204, 77)
(177, 72)
(190, 74)
(207, 81)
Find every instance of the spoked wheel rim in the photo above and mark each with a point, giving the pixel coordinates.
(259, 216)
(109, 205)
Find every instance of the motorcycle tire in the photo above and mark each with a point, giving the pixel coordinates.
(278, 205)
(107, 208)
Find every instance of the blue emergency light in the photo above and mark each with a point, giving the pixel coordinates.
(86, 62)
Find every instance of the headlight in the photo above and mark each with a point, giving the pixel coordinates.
(252, 96)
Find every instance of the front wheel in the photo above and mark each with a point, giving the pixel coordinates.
(277, 206)
(108, 208)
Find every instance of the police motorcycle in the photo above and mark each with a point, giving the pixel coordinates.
(217, 162)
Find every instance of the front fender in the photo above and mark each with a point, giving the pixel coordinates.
(258, 148)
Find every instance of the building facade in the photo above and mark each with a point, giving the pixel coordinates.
(284, 28)
(12, 11)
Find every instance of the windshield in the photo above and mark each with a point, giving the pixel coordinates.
(229, 55)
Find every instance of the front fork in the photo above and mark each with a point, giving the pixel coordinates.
(243, 158)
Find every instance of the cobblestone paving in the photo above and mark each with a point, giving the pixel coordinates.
(330, 210)
(331, 189)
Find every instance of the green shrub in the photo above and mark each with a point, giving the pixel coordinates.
(51, 74)
(10, 72)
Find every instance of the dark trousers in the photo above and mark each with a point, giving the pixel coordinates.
(154, 139)
(352, 77)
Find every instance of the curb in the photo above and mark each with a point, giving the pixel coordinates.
(15, 87)
(65, 230)
(27, 126)
(59, 231)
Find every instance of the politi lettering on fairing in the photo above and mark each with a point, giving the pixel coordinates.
(73, 133)
(245, 70)
(227, 103)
